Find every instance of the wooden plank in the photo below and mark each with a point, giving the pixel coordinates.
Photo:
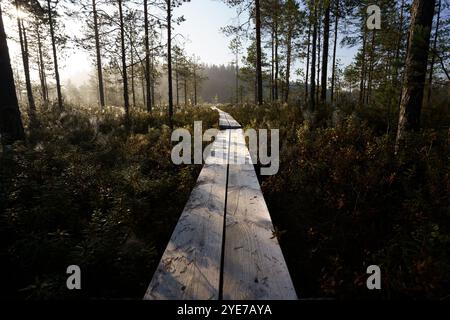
(223, 120)
(190, 266)
(226, 121)
(254, 266)
(223, 124)
(232, 124)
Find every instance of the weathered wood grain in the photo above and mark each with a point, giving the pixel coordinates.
(254, 266)
(190, 266)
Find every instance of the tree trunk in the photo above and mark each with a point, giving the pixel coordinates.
(152, 80)
(313, 63)
(169, 59)
(149, 98)
(11, 128)
(55, 56)
(430, 79)
(422, 12)
(277, 64)
(288, 65)
(42, 76)
(258, 53)
(177, 82)
(371, 66)
(326, 37)
(237, 77)
(319, 32)
(126, 98)
(26, 68)
(307, 62)
(143, 83)
(397, 51)
(363, 68)
(333, 74)
(133, 88)
(396, 66)
(272, 78)
(101, 89)
(195, 84)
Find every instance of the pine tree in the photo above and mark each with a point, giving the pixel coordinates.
(11, 128)
(422, 12)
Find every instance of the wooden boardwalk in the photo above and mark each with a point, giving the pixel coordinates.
(223, 246)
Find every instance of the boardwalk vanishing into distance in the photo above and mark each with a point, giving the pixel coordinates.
(223, 246)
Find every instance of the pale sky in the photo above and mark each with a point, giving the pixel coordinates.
(204, 18)
(200, 32)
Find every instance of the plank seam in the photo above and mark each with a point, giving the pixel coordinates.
(222, 255)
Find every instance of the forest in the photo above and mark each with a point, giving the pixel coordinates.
(358, 89)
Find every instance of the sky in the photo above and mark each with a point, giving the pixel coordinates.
(204, 18)
(200, 34)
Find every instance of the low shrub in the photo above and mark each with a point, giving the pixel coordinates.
(82, 190)
(343, 200)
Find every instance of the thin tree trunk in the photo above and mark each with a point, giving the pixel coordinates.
(333, 75)
(195, 84)
(26, 68)
(272, 78)
(395, 82)
(133, 89)
(152, 80)
(363, 68)
(126, 98)
(143, 83)
(430, 79)
(42, 76)
(422, 12)
(169, 59)
(55, 56)
(288, 65)
(326, 37)
(177, 82)
(101, 89)
(31, 103)
(307, 62)
(319, 49)
(237, 77)
(258, 52)
(11, 128)
(313, 63)
(371, 66)
(277, 63)
(397, 51)
(149, 97)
